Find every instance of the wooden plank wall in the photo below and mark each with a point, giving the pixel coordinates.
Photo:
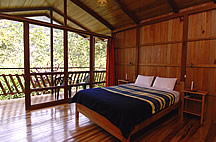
(160, 52)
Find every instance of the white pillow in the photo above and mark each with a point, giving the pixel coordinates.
(144, 80)
(164, 83)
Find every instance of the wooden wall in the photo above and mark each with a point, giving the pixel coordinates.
(161, 49)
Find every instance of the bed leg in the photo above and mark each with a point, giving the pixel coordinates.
(76, 113)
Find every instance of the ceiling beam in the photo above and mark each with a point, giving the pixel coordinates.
(173, 5)
(43, 8)
(24, 9)
(129, 14)
(30, 15)
(38, 14)
(73, 21)
(61, 23)
(70, 19)
(41, 23)
(93, 13)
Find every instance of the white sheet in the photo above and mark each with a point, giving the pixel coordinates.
(176, 93)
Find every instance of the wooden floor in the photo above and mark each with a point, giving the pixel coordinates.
(56, 124)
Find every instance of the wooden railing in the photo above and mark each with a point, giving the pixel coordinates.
(12, 84)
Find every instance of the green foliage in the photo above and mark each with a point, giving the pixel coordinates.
(14, 96)
(12, 51)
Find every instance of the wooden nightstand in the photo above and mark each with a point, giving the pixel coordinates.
(120, 81)
(193, 103)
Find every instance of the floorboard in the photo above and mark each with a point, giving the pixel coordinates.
(58, 123)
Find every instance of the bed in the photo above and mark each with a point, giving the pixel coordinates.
(113, 108)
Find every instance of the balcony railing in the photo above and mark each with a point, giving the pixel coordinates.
(40, 81)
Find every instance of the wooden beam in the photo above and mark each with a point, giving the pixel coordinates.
(61, 23)
(92, 60)
(65, 12)
(21, 19)
(30, 15)
(27, 66)
(70, 19)
(39, 14)
(126, 11)
(172, 16)
(173, 5)
(73, 21)
(184, 47)
(51, 47)
(137, 51)
(65, 53)
(24, 9)
(93, 13)
(54, 19)
(43, 8)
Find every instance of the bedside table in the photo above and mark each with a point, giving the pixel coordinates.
(120, 81)
(193, 103)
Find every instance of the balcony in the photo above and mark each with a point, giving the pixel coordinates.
(45, 86)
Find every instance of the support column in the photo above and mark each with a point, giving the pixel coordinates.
(65, 53)
(27, 66)
(92, 60)
(137, 51)
(51, 47)
(184, 47)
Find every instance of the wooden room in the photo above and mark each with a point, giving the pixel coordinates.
(108, 70)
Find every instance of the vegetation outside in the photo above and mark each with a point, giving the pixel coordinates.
(12, 51)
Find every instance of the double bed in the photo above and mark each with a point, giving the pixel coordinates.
(125, 109)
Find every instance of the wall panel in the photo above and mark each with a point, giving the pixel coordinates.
(169, 54)
(201, 65)
(125, 56)
(125, 52)
(122, 70)
(160, 52)
(202, 25)
(167, 31)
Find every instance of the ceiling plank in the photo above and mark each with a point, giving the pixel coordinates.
(173, 5)
(93, 13)
(126, 11)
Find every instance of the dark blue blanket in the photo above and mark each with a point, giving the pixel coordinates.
(123, 111)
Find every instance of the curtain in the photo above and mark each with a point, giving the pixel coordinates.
(110, 67)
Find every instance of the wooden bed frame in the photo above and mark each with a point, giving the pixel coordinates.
(115, 131)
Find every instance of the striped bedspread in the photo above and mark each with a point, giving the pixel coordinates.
(158, 100)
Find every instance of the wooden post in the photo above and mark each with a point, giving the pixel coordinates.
(51, 47)
(92, 60)
(137, 51)
(65, 53)
(184, 47)
(27, 66)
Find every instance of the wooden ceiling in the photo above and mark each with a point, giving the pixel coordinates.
(87, 15)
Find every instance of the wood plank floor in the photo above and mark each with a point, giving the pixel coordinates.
(56, 124)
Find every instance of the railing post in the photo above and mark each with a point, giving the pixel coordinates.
(27, 66)
(92, 60)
